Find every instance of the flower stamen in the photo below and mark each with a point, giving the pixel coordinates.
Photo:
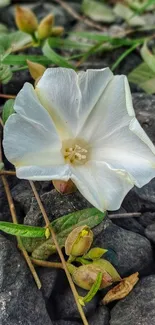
(75, 154)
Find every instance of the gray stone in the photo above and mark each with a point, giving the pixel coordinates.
(56, 205)
(141, 199)
(130, 223)
(150, 232)
(48, 278)
(133, 251)
(64, 305)
(144, 106)
(21, 303)
(138, 308)
(147, 218)
(100, 317)
(66, 322)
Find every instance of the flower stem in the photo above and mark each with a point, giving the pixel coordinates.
(47, 222)
(14, 219)
(7, 96)
(46, 263)
(8, 172)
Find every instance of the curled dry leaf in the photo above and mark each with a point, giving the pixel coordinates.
(122, 289)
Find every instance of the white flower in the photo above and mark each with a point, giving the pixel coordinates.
(80, 127)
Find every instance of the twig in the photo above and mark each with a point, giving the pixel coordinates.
(8, 172)
(74, 14)
(125, 215)
(14, 219)
(7, 96)
(46, 263)
(47, 222)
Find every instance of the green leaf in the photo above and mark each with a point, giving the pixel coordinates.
(144, 77)
(21, 59)
(95, 287)
(1, 165)
(95, 253)
(8, 109)
(98, 11)
(62, 227)
(4, 3)
(128, 15)
(67, 44)
(5, 74)
(22, 230)
(54, 57)
(148, 57)
(109, 268)
(123, 56)
(105, 38)
(3, 29)
(14, 40)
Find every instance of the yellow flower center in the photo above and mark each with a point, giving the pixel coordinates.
(75, 152)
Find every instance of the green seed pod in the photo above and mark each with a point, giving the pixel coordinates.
(79, 241)
(85, 276)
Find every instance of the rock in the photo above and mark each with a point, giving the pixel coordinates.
(150, 232)
(67, 322)
(56, 205)
(20, 300)
(100, 317)
(147, 218)
(17, 82)
(133, 251)
(63, 302)
(144, 106)
(48, 278)
(127, 223)
(23, 194)
(138, 308)
(141, 199)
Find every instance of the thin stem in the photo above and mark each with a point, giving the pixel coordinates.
(46, 263)
(23, 48)
(7, 96)
(74, 14)
(47, 222)
(14, 219)
(8, 172)
(125, 215)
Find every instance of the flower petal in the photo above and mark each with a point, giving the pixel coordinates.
(101, 185)
(129, 149)
(29, 107)
(27, 142)
(112, 111)
(44, 173)
(69, 97)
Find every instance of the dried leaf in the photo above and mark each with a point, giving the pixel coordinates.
(122, 289)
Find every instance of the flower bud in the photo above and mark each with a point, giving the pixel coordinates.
(109, 268)
(85, 276)
(57, 31)
(79, 241)
(36, 70)
(45, 26)
(64, 187)
(26, 20)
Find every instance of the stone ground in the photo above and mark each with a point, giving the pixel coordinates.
(132, 239)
